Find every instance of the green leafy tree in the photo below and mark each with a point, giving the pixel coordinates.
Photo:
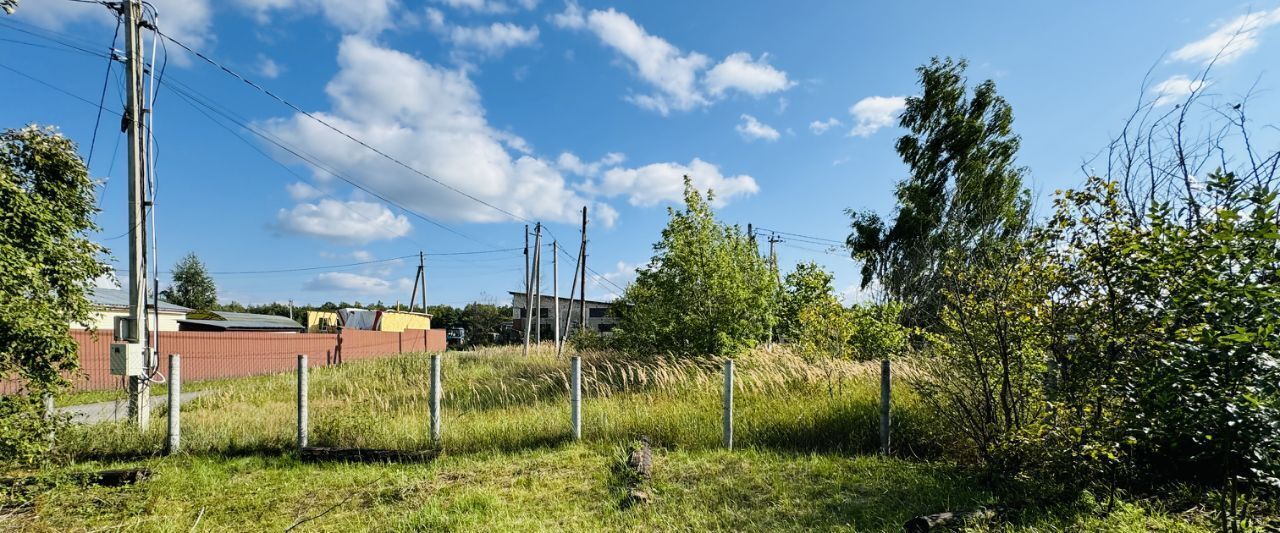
(822, 333)
(707, 291)
(964, 192)
(484, 322)
(877, 332)
(806, 285)
(192, 286)
(49, 264)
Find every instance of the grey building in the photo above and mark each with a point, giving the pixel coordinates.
(599, 314)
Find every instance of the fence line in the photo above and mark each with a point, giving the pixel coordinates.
(209, 355)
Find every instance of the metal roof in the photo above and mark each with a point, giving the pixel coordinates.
(231, 320)
(562, 298)
(119, 298)
(246, 325)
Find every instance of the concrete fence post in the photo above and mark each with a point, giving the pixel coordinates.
(728, 404)
(884, 407)
(175, 404)
(49, 412)
(435, 398)
(575, 396)
(302, 401)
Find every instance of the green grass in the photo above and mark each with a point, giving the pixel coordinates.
(805, 436)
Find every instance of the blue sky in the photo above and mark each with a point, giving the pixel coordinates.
(539, 107)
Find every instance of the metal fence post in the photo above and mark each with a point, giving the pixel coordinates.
(728, 404)
(435, 398)
(175, 403)
(575, 396)
(302, 401)
(884, 407)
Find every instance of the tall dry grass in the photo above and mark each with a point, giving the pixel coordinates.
(497, 399)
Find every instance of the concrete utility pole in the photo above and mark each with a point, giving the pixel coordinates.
(582, 258)
(773, 250)
(419, 276)
(422, 275)
(537, 282)
(139, 386)
(568, 315)
(555, 291)
(528, 291)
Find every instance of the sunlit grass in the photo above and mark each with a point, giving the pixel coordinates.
(805, 437)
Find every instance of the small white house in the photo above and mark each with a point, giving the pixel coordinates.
(111, 303)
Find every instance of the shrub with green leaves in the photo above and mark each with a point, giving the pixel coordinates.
(706, 291)
(46, 209)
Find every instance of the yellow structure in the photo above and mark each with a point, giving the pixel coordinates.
(322, 321)
(402, 320)
(328, 321)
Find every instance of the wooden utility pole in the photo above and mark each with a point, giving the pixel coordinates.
(537, 283)
(555, 292)
(582, 258)
(528, 291)
(139, 386)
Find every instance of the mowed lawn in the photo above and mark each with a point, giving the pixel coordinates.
(804, 458)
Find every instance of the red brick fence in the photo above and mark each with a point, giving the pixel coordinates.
(208, 355)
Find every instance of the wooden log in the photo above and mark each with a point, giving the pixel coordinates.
(925, 523)
(365, 455)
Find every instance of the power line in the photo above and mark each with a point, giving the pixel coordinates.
(337, 130)
(839, 242)
(97, 121)
(356, 264)
(56, 88)
(191, 97)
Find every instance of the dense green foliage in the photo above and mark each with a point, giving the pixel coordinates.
(1124, 352)
(707, 291)
(806, 286)
(192, 285)
(964, 193)
(48, 264)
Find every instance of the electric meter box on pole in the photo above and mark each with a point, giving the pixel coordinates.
(126, 359)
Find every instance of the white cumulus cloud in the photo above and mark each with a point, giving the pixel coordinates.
(268, 68)
(301, 191)
(755, 77)
(489, 6)
(681, 80)
(188, 21)
(664, 182)
(1230, 40)
(1175, 89)
(752, 129)
(494, 39)
(571, 163)
(353, 16)
(350, 222)
(818, 127)
(354, 284)
(430, 118)
(875, 112)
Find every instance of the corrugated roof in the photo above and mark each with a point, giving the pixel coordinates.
(233, 325)
(119, 298)
(217, 318)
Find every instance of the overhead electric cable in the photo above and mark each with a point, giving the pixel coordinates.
(339, 131)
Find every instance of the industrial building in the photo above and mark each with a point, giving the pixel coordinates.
(599, 313)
